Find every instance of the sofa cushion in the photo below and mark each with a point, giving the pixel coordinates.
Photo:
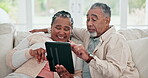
(131, 34)
(19, 36)
(6, 42)
(6, 28)
(139, 48)
(4, 17)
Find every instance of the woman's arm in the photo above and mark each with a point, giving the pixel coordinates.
(19, 55)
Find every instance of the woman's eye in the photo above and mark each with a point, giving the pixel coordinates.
(67, 29)
(58, 28)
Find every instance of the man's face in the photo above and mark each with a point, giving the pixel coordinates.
(61, 29)
(97, 23)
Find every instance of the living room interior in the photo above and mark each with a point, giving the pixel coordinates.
(17, 17)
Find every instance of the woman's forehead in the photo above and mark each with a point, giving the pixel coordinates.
(62, 21)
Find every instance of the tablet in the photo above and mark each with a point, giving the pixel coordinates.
(59, 53)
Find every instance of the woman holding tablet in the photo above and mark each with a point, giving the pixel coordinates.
(28, 58)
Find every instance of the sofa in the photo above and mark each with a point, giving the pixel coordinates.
(136, 38)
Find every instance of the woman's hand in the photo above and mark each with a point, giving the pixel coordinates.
(39, 54)
(62, 72)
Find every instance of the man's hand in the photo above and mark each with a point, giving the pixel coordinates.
(39, 54)
(62, 72)
(79, 50)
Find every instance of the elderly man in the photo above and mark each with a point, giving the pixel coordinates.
(111, 56)
(105, 52)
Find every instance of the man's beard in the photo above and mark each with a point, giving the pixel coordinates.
(94, 34)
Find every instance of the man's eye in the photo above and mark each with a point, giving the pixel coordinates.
(93, 19)
(87, 20)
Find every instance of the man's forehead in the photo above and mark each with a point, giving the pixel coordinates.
(95, 12)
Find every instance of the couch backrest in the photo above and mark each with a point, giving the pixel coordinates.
(138, 43)
(132, 34)
(19, 36)
(139, 49)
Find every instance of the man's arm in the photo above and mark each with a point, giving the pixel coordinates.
(80, 33)
(116, 58)
(117, 55)
(45, 30)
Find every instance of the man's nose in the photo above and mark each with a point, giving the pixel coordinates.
(89, 23)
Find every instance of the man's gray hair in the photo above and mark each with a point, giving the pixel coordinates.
(105, 8)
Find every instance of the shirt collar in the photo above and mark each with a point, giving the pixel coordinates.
(107, 33)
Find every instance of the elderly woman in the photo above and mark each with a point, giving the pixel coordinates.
(28, 58)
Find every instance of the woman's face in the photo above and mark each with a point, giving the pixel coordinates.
(61, 29)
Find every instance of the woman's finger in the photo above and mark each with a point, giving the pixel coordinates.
(42, 55)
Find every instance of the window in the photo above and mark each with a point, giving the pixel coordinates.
(45, 9)
(11, 7)
(28, 14)
(114, 5)
(137, 13)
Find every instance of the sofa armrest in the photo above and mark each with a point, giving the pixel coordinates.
(6, 42)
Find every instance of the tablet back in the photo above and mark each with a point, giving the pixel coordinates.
(59, 53)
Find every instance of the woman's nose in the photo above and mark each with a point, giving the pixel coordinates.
(62, 31)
